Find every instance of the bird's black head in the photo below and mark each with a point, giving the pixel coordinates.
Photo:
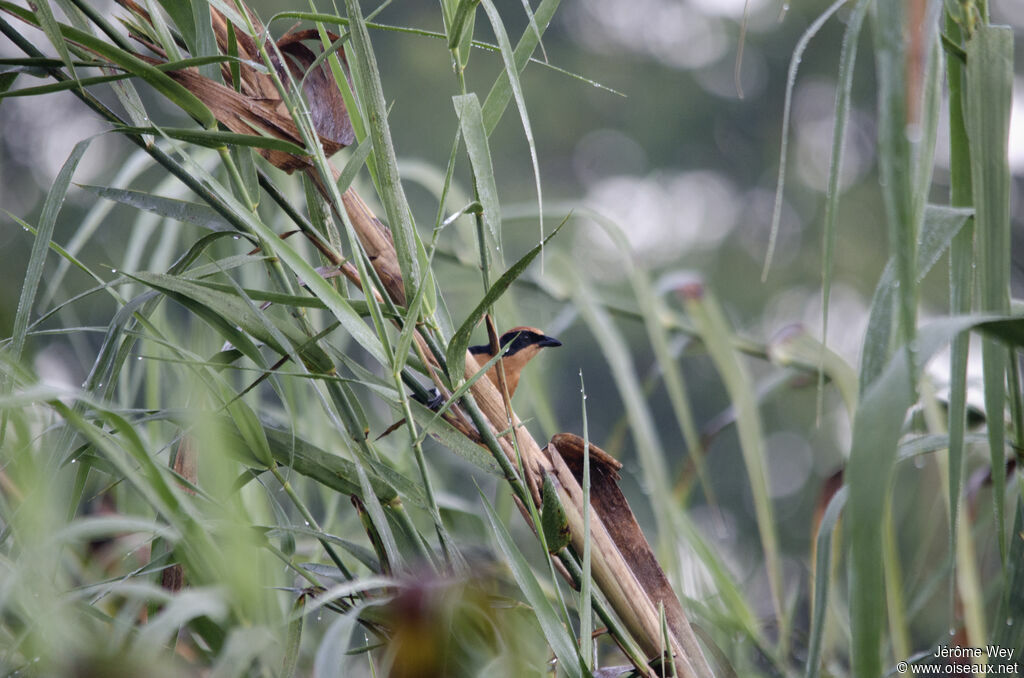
(518, 339)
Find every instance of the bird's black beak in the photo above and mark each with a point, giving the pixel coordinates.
(548, 341)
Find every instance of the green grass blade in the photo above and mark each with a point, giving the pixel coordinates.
(338, 305)
(249, 428)
(794, 64)
(41, 244)
(354, 164)
(895, 157)
(961, 274)
(989, 90)
(794, 346)
(330, 470)
(380, 521)
(44, 14)
(501, 91)
(332, 657)
(471, 122)
(940, 228)
(822, 582)
(587, 579)
(219, 139)
(652, 309)
(714, 330)
(186, 212)
(367, 78)
(205, 42)
(460, 23)
(557, 636)
(1009, 627)
(847, 60)
(452, 439)
(512, 70)
(162, 31)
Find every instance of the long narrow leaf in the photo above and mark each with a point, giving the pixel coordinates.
(467, 107)
(989, 90)
(37, 258)
(396, 206)
(501, 92)
(555, 633)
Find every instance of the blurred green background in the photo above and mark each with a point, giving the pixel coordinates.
(666, 147)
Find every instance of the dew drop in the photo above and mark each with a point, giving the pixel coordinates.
(235, 237)
(74, 461)
(1009, 621)
(114, 270)
(139, 358)
(307, 523)
(952, 631)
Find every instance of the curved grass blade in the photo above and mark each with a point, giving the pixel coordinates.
(555, 633)
(847, 60)
(517, 93)
(37, 257)
(501, 91)
(714, 329)
(36, 261)
(794, 64)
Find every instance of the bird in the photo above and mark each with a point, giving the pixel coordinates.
(522, 344)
